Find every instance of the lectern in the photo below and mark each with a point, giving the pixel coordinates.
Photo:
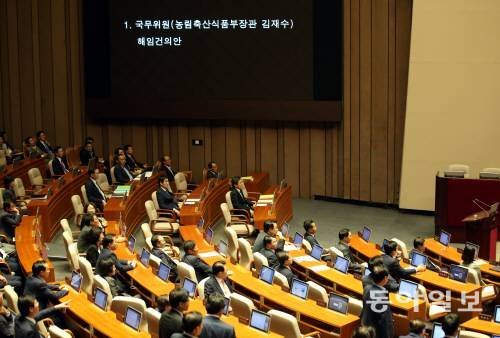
(481, 228)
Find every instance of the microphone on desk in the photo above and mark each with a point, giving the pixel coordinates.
(480, 204)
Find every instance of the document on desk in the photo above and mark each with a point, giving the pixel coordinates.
(290, 247)
(258, 204)
(208, 254)
(318, 268)
(305, 258)
(266, 197)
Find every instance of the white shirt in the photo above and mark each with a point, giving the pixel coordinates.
(223, 286)
(98, 188)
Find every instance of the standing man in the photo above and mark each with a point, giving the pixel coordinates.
(218, 282)
(213, 326)
(171, 322)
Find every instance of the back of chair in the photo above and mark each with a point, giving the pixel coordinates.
(87, 275)
(154, 198)
(1, 196)
(73, 256)
(246, 254)
(76, 201)
(226, 213)
(146, 230)
(201, 288)
(473, 277)
(3, 158)
(228, 200)
(19, 187)
(335, 251)
(51, 168)
(153, 319)
(42, 329)
(180, 182)
(120, 303)
(306, 245)
(185, 270)
(242, 306)
(259, 260)
(355, 306)
(67, 238)
(35, 176)
(100, 282)
(57, 332)
(284, 324)
(65, 226)
(317, 292)
(102, 180)
(402, 245)
(150, 210)
(112, 174)
(11, 298)
(232, 243)
(280, 279)
(154, 262)
(84, 194)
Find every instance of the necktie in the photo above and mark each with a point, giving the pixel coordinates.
(128, 173)
(100, 190)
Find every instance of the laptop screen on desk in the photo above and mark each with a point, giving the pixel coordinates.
(223, 247)
(458, 273)
(100, 298)
(437, 331)
(297, 240)
(408, 289)
(201, 223)
(338, 303)
(496, 316)
(131, 243)
(367, 272)
(133, 318)
(145, 254)
(418, 259)
(285, 230)
(266, 274)
(366, 233)
(209, 235)
(341, 264)
(76, 281)
(260, 320)
(190, 286)
(444, 238)
(163, 271)
(227, 303)
(299, 288)
(317, 251)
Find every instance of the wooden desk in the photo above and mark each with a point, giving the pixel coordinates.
(281, 212)
(191, 232)
(260, 182)
(21, 170)
(92, 319)
(27, 247)
(478, 325)
(58, 205)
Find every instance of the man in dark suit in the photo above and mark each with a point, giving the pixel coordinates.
(130, 159)
(392, 263)
(269, 251)
(30, 314)
(36, 286)
(218, 282)
(238, 199)
(191, 257)
(95, 194)
(166, 167)
(9, 194)
(87, 153)
(310, 234)
(212, 170)
(451, 325)
(419, 246)
(164, 195)
(213, 326)
(10, 218)
(171, 322)
(159, 244)
(107, 251)
(270, 229)
(376, 306)
(344, 240)
(284, 267)
(43, 144)
(122, 174)
(391, 286)
(192, 324)
(417, 329)
(59, 163)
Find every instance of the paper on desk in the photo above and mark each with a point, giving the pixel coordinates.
(192, 200)
(148, 174)
(261, 204)
(209, 254)
(306, 258)
(290, 247)
(266, 197)
(189, 203)
(318, 268)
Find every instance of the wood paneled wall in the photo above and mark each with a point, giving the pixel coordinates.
(41, 86)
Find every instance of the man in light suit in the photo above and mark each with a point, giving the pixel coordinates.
(30, 314)
(165, 196)
(417, 329)
(192, 324)
(171, 322)
(213, 326)
(59, 163)
(392, 263)
(122, 174)
(191, 257)
(95, 194)
(269, 251)
(218, 282)
(107, 251)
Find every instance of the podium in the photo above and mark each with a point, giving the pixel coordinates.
(481, 228)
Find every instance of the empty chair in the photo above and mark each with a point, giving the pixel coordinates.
(459, 167)
(153, 319)
(87, 275)
(181, 183)
(102, 180)
(73, 257)
(280, 279)
(21, 192)
(185, 270)
(65, 227)
(242, 306)
(201, 288)
(241, 227)
(259, 260)
(317, 292)
(246, 254)
(57, 332)
(78, 208)
(35, 177)
(148, 234)
(84, 194)
(11, 298)
(471, 334)
(402, 246)
(355, 306)
(154, 198)
(120, 303)
(228, 200)
(432, 311)
(51, 169)
(232, 243)
(100, 282)
(161, 224)
(286, 325)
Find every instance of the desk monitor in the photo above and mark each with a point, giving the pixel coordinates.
(367, 272)
(223, 248)
(317, 251)
(133, 318)
(209, 234)
(341, 264)
(285, 230)
(163, 272)
(280, 246)
(201, 223)
(338, 303)
(190, 286)
(496, 316)
(131, 243)
(458, 273)
(100, 298)
(145, 254)
(454, 173)
(408, 289)
(260, 320)
(444, 238)
(227, 304)
(297, 240)
(366, 233)
(76, 281)
(418, 259)
(437, 331)
(266, 274)
(476, 247)
(299, 288)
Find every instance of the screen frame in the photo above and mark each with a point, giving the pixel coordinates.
(73, 274)
(129, 308)
(298, 281)
(98, 289)
(363, 233)
(193, 283)
(335, 264)
(461, 268)
(262, 279)
(333, 294)
(260, 313)
(409, 282)
(159, 269)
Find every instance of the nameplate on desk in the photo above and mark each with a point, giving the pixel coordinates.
(266, 197)
(406, 260)
(285, 288)
(306, 258)
(189, 203)
(242, 320)
(258, 204)
(192, 200)
(484, 316)
(209, 254)
(321, 303)
(357, 276)
(38, 197)
(318, 268)
(443, 274)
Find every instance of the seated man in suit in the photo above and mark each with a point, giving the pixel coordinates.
(95, 238)
(43, 144)
(310, 234)
(269, 251)
(391, 286)
(270, 229)
(344, 240)
(30, 314)
(9, 194)
(159, 250)
(392, 263)
(285, 261)
(107, 251)
(417, 329)
(131, 161)
(212, 170)
(122, 173)
(36, 286)
(171, 322)
(191, 257)
(218, 282)
(166, 167)
(376, 306)
(10, 218)
(419, 246)
(59, 163)
(213, 326)
(87, 153)
(95, 194)
(108, 270)
(192, 324)
(238, 198)
(165, 196)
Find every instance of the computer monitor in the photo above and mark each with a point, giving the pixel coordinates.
(299, 288)
(317, 251)
(223, 247)
(266, 274)
(260, 320)
(163, 271)
(367, 272)
(366, 233)
(201, 223)
(100, 298)
(408, 289)
(227, 304)
(209, 234)
(76, 281)
(285, 229)
(496, 316)
(444, 238)
(133, 318)
(131, 243)
(458, 273)
(145, 254)
(418, 259)
(341, 264)
(338, 303)
(190, 286)
(297, 240)
(437, 331)
(476, 247)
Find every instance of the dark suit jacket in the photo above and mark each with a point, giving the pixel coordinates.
(25, 328)
(132, 163)
(46, 148)
(346, 251)
(239, 201)
(8, 223)
(311, 239)
(57, 167)
(411, 335)
(7, 325)
(391, 286)
(288, 274)
(166, 200)
(93, 194)
(213, 327)
(170, 323)
(43, 292)
(170, 173)
(395, 269)
(121, 176)
(85, 156)
(121, 265)
(212, 286)
(212, 174)
(272, 259)
(115, 286)
(9, 195)
(92, 254)
(202, 270)
(167, 260)
(181, 335)
(377, 298)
